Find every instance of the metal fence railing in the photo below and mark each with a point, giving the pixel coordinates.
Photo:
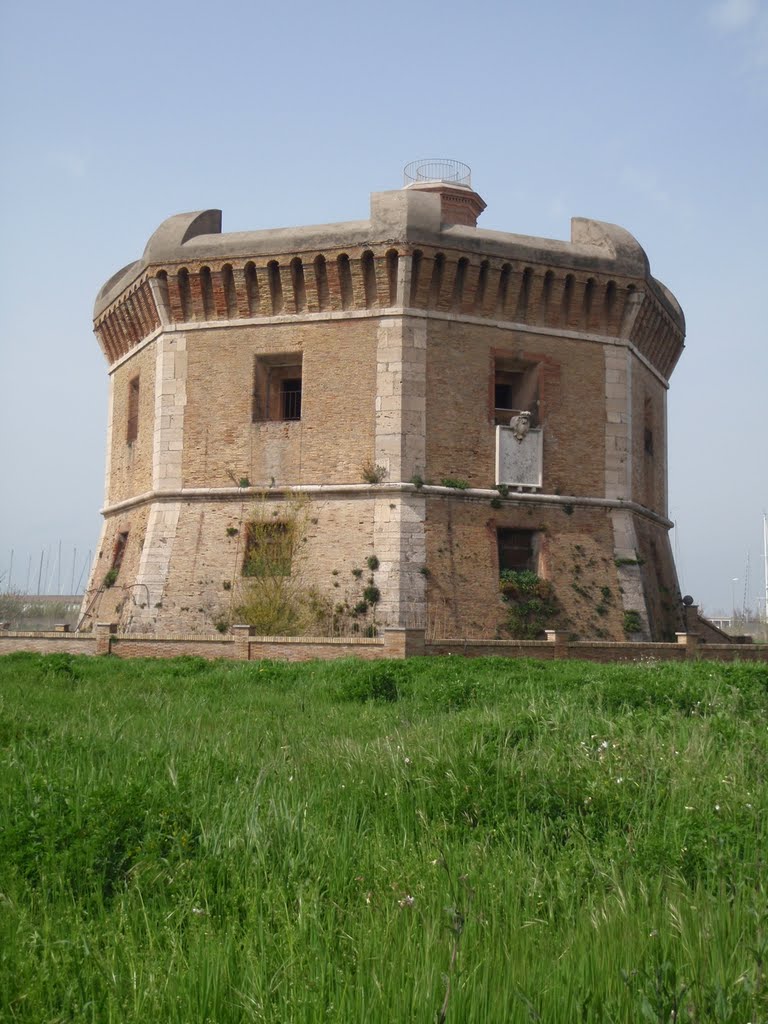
(452, 172)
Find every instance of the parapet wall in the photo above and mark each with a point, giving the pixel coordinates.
(397, 644)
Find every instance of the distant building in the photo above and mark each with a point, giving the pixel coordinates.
(453, 402)
(721, 622)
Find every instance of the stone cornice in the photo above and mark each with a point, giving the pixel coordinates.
(395, 311)
(244, 494)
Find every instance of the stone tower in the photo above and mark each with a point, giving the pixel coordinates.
(447, 401)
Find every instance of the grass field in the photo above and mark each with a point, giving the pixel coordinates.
(475, 841)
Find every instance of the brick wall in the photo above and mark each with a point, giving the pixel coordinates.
(576, 553)
(108, 605)
(460, 423)
(131, 464)
(331, 441)
(47, 643)
(395, 643)
(649, 469)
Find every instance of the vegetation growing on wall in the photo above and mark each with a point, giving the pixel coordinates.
(269, 589)
(532, 605)
(269, 592)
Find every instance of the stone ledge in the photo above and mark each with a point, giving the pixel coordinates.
(372, 490)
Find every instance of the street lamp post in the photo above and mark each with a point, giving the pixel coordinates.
(734, 581)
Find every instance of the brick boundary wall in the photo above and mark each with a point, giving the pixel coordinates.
(242, 645)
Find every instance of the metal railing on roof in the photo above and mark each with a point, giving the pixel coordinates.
(452, 172)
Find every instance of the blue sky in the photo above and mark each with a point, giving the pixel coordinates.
(651, 116)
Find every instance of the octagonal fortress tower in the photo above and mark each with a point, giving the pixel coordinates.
(449, 404)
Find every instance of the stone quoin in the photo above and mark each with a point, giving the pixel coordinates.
(447, 401)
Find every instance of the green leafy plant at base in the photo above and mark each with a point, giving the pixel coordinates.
(632, 622)
(532, 603)
(456, 484)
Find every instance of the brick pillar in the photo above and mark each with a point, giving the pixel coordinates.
(691, 617)
(403, 643)
(104, 631)
(242, 646)
(691, 643)
(560, 641)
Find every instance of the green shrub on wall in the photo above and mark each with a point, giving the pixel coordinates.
(532, 603)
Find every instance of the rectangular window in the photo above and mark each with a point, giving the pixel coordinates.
(118, 553)
(277, 387)
(515, 390)
(132, 428)
(648, 426)
(268, 549)
(517, 550)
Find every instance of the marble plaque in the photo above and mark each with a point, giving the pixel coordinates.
(518, 462)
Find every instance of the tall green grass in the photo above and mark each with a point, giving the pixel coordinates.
(475, 841)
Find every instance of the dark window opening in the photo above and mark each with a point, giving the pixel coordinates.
(517, 551)
(290, 399)
(515, 390)
(132, 426)
(392, 267)
(268, 549)
(277, 388)
(648, 426)
(118, 552)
